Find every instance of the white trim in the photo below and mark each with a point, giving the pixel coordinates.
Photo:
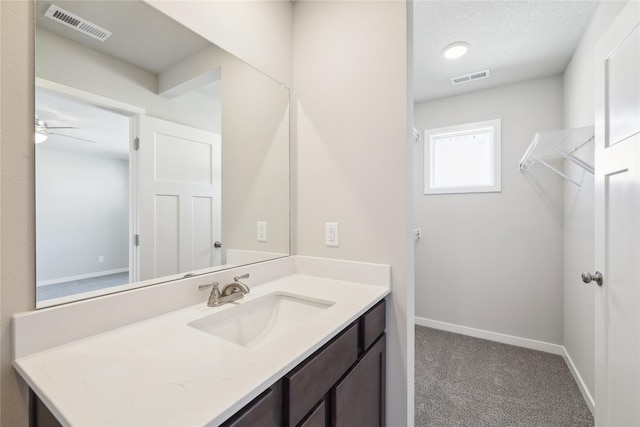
(495, 127)
(102, 101)
(133, 112)
(493, 336)
(81, 277)
(578, 379)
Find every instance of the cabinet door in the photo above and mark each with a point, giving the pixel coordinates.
(359, 399)
(316, 418)
(307, 384)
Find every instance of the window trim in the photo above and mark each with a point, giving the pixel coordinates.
(430, 134)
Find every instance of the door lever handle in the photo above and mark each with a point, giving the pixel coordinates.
(588, 277)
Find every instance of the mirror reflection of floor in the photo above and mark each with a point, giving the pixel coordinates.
(73, 287)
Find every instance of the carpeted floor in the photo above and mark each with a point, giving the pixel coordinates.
(466, 381)
(77, 286)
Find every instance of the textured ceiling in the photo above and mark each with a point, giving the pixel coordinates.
(517, 40)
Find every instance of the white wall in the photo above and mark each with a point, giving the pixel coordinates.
(258, 32)
(493, 261)
(255, 153)
(350, 67)
(17, 207)
(579, 100)
(82, 213)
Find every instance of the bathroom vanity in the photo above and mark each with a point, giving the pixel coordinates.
(297, 350)
(342, 384)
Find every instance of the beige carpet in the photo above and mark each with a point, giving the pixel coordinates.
(465, 381)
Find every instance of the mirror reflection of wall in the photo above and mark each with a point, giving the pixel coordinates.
(109, 220)
(82, 187)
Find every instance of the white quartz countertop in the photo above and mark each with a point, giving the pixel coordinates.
(163, 372)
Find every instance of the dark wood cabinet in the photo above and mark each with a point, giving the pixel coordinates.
(340, 385)
(306, 384)
(351, 389)
(264, 411)
(40, 415)
(317, 417)
(358, 399)
(372, 325)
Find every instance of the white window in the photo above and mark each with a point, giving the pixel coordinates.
(463, 159)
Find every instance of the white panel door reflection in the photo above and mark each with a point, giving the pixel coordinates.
(179, 192)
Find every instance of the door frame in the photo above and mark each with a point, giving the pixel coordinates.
(133, 112)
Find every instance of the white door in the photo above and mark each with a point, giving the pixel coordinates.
(179, 196)
(617, 222)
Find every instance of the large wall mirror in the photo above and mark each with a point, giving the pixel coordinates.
(158, 154)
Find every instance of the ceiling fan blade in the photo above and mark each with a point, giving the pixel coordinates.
(62, 127)
(72, 137)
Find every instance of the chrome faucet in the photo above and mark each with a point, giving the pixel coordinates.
(231, 292)
(236, 286)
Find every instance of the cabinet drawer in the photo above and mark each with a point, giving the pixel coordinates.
(308, 383)
(265, 410)
(372, 325)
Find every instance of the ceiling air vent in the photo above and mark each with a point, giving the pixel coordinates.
(70, 20)
(471, 77)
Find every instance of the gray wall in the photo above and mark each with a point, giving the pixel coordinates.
(351, 61)
(493, 261)
(82, 213)
(579, 302)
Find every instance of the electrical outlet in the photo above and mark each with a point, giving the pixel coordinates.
(100, 258)
(331, 234)
(262, 231)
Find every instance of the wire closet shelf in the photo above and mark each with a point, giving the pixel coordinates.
(551, 148)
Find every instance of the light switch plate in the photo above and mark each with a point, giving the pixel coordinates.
(262, 231)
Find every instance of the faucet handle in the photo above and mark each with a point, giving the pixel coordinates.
(207, 286)
(215, 292)
(213, 285)
(244, 276)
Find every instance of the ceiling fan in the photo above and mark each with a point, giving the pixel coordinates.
(43, 130)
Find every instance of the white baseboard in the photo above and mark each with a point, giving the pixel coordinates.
(578, 379)
(492, 336)
(81, 276)
(517, 341)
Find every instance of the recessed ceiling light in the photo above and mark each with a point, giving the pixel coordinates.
(455, 50)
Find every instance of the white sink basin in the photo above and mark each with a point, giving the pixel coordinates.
(254, 323)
